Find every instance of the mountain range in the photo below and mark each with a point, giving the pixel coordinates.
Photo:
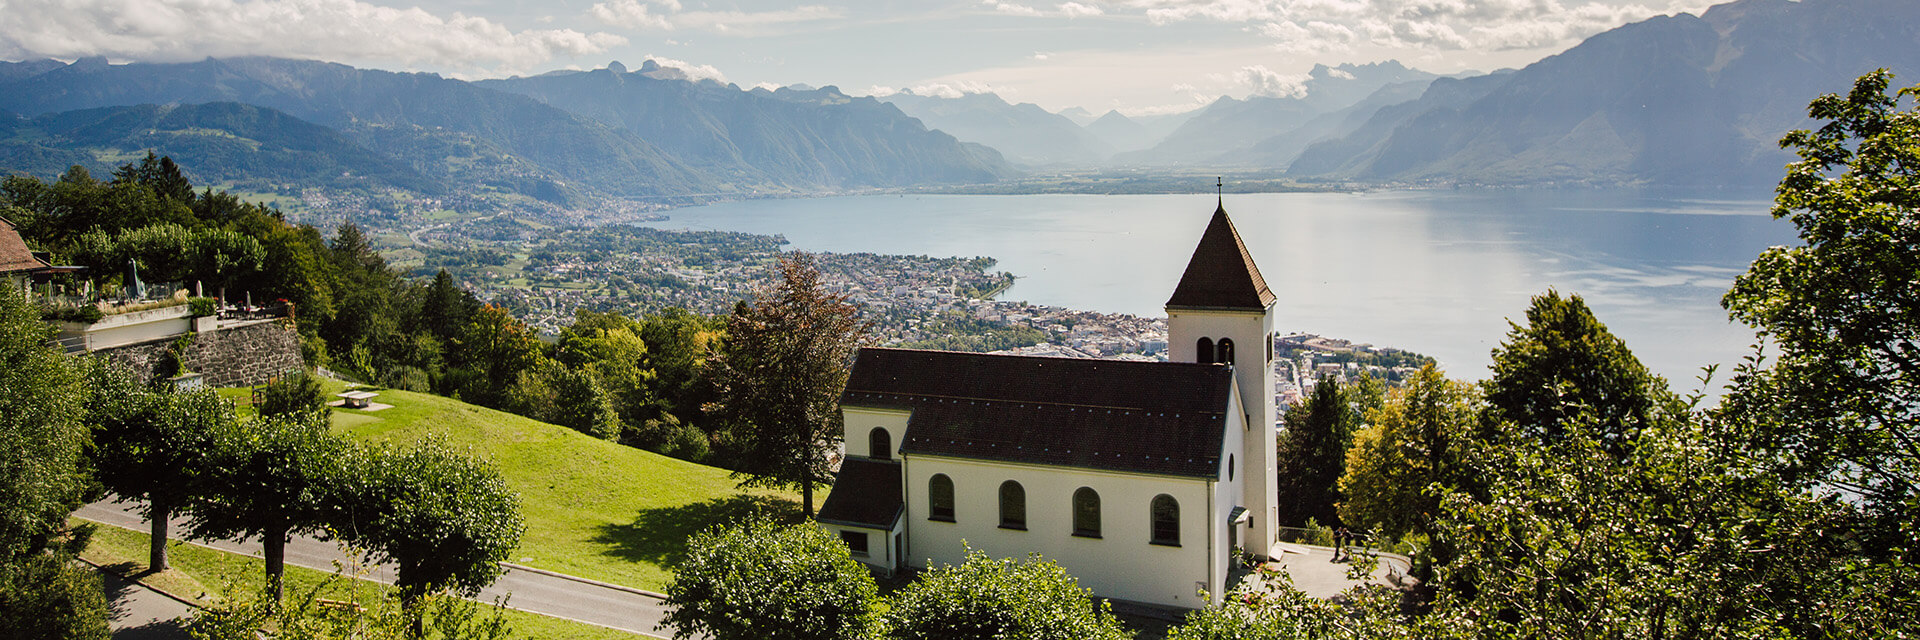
(1673, 100)
(455, 134)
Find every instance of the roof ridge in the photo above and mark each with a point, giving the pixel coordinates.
(1032, 402)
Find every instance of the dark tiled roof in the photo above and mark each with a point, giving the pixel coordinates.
(14, 255)
(1221, 274)
(866, 493)
(1158, 418)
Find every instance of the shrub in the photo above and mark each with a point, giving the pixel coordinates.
(1002, 599)
(760, 580)
(297, 392)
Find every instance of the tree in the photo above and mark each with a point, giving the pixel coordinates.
(42, 435)
(495, 347)
(759, 580)
(270, 478)
(154, 447)
(42, 479)
(1564, 363)
(445, 519)
(1005, 599)
(1313, 452)
(1414, 442)
(779, 378)
(1840, 405)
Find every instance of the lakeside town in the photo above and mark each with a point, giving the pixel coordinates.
(543, 275)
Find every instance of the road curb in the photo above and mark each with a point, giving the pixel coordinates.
(597, 583)
(96, 567)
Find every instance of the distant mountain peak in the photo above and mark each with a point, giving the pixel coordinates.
(616, 67)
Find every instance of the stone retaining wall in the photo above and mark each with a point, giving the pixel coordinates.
(239, 356)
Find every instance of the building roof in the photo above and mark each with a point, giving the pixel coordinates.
(1158, 418)
(1221, 274)
(14, 255)
(866, 493)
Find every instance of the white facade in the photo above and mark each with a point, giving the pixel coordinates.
(1122, 563)
(1252, 334)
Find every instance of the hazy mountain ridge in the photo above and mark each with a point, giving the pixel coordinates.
(222, 142)
(441, 134)
(1680, 100)
(787, 139)
(1228, 126)
(1024, 132)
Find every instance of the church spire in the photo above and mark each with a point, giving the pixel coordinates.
(1221, 274)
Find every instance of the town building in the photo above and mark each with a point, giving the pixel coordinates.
(1142, 479)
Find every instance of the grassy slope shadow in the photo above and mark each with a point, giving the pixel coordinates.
(660, 535)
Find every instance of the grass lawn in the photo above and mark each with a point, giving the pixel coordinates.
(593, 508)
(207, 575)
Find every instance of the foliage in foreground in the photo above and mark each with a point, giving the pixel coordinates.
(765, 581)
(369, 616)
(1000, 599)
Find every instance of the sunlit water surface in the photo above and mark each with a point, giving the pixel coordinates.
(1436, 272)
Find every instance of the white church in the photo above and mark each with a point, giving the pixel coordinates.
(1139, 478)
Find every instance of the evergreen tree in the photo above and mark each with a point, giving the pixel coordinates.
(1313, 451)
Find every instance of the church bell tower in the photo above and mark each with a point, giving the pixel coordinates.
(1222, 312)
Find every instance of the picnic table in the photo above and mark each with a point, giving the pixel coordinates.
(356, 399)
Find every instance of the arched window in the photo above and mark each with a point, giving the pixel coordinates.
(1013, 506)
(1229, 467)
(940, 498)
(879, 444)
(1203, 351)
(1166, 520)
(1226, 351)
(1086, 513)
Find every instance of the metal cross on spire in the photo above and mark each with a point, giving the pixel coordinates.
(1219, 191)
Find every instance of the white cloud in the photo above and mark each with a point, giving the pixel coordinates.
(1261, 81)
(1065, 9)
(629, 14)
(1040, 55)
(343, 30)
(671, 69)
(1076, 10)
(1011, 8)
(878, 91)
(667, 15)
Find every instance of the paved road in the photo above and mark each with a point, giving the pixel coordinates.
(530, 590)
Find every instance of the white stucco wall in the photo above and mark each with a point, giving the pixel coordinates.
(881, 555)
(859, 423)
(1252, 332)
(1122, 563)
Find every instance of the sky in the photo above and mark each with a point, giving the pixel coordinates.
(1141, 57)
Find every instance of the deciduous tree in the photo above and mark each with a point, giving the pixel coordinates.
(1416, 441)
(270, 478)
(1839, 406)
(779, 378)
(445, 519)
(154, 447)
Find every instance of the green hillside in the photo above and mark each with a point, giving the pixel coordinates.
(594, 508)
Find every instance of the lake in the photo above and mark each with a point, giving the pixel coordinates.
(1438, 272)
